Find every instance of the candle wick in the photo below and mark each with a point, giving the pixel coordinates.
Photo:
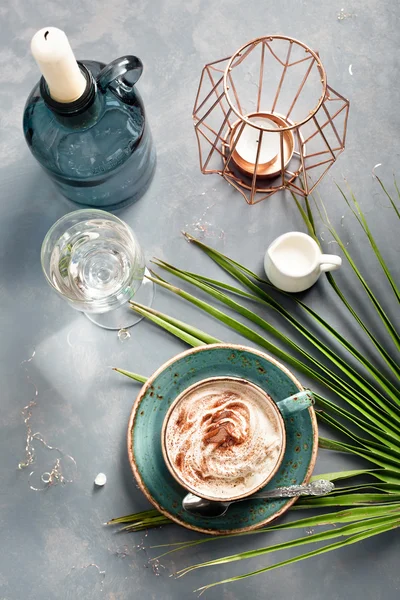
(45, 35)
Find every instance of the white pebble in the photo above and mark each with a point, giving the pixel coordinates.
(100, 480)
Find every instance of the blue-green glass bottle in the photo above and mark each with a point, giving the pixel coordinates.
(98, 149)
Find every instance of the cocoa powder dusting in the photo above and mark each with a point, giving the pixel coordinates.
(201, 475)
(221, 438)
(206, 418)
(223, 398)
(222, 415)
(182, 422)
(179, 460)
(223, 429)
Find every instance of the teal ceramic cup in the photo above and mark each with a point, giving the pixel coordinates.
(197, 406)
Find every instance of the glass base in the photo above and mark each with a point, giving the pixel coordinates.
(124, 317)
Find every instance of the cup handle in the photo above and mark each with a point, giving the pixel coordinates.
(296, 403)
(330, 262)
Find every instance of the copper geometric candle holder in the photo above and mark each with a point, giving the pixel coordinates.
(266, 116)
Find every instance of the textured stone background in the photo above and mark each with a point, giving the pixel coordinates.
(83, 407)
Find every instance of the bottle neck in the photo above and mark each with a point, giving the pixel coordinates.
(82, 112)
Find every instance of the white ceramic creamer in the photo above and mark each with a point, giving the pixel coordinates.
(294, 262)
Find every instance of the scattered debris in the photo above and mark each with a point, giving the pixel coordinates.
(48, 478)
(203, 229)
(342, 15)
(55, 476)
(100, 572)
(155, 564)
(123, 335)
(121, 552)
(309, 531)
(29, 450)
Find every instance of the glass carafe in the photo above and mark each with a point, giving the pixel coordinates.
(98, 149)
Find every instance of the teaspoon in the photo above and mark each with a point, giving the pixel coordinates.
(212, 508)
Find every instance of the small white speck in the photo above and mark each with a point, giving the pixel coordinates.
(100, 480)
(350, 69)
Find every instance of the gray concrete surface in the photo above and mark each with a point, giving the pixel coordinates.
(49, 538)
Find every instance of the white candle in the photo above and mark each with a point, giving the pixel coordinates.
(248, 142)
(52, 52)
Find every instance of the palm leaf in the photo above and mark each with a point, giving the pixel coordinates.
(244, 275)
(394, 366)
(379, 432)
(369, 423)
(346, 530)
(379, 310)
(361, 513)
(350, 540)
(351, 373)
(359, 215)
(328, 377)
(134, 376)
(380, 421)
(195, 334)
(389, 196)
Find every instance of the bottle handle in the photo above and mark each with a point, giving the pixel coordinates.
(117, 69)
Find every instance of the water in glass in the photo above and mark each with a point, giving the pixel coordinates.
(97, 265)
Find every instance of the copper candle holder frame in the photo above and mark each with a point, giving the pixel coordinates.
(258, 80)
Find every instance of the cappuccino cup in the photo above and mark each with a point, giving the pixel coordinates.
(224, 438)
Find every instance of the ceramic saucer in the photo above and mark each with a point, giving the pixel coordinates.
(151, 406)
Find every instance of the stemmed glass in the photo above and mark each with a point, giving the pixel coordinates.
(93, 260)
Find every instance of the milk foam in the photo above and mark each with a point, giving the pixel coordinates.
(223, 438)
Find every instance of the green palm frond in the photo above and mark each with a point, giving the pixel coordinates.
(361, 402)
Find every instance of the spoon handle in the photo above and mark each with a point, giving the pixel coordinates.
(320, 487)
